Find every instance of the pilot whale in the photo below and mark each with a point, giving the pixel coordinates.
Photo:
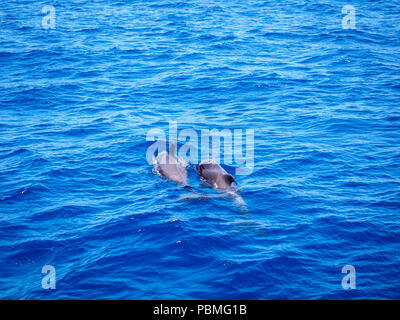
(171, 167)
(215, 175)
(218, 178)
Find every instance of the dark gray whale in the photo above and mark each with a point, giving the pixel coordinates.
(218, 178)
(215, 175)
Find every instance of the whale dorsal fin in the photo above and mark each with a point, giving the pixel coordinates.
(229, 178)
(172, 148)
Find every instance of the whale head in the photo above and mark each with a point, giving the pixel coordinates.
(215, 175)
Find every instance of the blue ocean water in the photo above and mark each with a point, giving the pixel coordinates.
(77, 193)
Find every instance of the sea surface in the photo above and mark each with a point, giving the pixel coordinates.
(77, 193)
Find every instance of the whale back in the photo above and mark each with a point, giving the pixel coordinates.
(171, 167)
